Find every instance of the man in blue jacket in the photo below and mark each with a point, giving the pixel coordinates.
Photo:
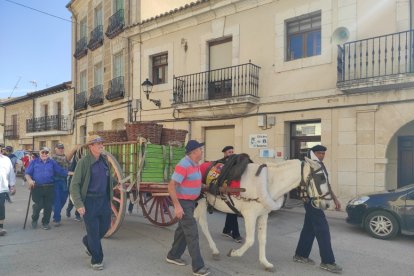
(40, 177)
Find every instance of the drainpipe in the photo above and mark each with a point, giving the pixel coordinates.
(33, 122)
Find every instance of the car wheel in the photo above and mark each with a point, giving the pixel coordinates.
(381, 225)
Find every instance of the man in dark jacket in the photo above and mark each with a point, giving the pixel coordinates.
(316, 225)
(91, 193)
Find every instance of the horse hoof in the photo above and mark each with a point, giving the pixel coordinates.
(229, 254)
(216, 257)
(270, 269)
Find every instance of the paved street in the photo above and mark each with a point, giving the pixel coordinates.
(140, 248)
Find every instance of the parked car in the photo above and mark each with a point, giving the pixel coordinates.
(386, 214)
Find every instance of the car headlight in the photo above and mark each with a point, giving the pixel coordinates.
(358, 200)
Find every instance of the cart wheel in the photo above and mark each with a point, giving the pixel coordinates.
(158, 209)
(118, 204)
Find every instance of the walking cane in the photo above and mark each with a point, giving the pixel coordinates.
(27, 211)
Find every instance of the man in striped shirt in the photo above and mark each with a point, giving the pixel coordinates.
(184, 188)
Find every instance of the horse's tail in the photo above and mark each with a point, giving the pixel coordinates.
(262, 190)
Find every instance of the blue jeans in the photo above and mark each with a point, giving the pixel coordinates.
(97, 220)
(61, 195)
(186, 235)
(315, 225)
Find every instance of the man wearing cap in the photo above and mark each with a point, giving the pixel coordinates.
(316, 225)
(40, 177)
(231, 227)
(61, 185)
(184, 188)
(91, 193)
(7, 184)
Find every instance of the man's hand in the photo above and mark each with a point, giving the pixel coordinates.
(12, 190)
(337, 204)
(81, 211)
(179, 212)
(31, 184)
(70, 173)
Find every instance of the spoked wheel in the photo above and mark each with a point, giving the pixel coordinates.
(118, 204)
(157, 207)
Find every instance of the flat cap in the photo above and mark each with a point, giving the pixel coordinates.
(318, 148)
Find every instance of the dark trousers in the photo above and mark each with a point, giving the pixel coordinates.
(43, 199)
(97, 222)
(315, 225)
(231, 226)
(2, 208)
(186, 235)
(61, 195)
(70, 207)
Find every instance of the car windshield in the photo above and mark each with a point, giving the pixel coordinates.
(405, 188)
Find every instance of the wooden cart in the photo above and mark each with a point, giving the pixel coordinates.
(142, 171)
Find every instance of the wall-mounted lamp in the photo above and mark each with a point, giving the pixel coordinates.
(147, 88)
(184, 44)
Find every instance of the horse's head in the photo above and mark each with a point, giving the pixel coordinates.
(315, 183)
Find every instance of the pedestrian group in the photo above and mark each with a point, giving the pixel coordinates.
(90, 186)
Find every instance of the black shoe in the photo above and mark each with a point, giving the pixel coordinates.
(68, 213)
(210, 209)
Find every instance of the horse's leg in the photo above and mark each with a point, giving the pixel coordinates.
(261, 236)
(200, 214)
(250, 225)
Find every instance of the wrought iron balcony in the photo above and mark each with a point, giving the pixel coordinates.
(80, 101)
(377, 63)
(116, 89)
(11, 132)
(46, 123)
(229, 82)
(116, 24)
(81, 48)
(97, 38)
(97, 96)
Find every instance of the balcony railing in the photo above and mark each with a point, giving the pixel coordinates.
(116, 89)
(97, 38)
(80, 101)
(374, 58)
(81, 48)
(97, 96)
(11, 132)
(235, 81)
(116, 24)
(46, 123)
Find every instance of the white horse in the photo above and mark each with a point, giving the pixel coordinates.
(263, 194)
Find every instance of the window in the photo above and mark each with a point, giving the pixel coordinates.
(160, 68)
(98, 74)
(303, 36)
(82, 134)
(83, 83)
(118, 65)
(83, 28)
(98, 126)
(98, 16)
(45, 108)
(118, 5)
(118, 124)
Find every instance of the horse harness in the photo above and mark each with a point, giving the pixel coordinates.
(219, 174)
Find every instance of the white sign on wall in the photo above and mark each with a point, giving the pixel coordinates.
(258, 141)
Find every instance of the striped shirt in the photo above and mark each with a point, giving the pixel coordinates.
(187, 175)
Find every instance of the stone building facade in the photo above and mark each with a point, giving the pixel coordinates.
(41, 118)
(270, 77)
